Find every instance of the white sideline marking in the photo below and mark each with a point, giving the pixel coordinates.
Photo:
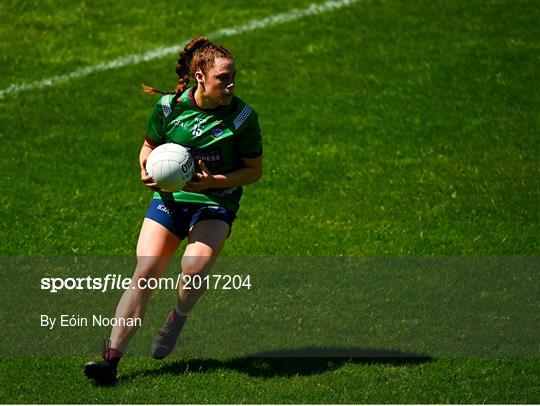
(163, 51)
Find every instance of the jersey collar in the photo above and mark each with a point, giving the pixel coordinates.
(194, 103)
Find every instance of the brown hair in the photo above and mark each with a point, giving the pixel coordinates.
(199, 54)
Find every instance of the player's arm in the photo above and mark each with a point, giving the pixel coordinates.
(146, 148)
(154, 136)
(251, 172)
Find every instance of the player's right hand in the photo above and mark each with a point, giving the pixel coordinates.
(148, 181)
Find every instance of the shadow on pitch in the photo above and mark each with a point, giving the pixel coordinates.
(286, 363)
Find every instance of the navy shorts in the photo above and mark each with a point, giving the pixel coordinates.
(179, 217)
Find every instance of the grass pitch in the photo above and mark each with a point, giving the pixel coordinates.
(390, 128)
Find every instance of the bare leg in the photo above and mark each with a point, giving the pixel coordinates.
(206, 239)
(155, 248)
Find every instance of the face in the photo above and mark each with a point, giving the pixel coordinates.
(219, 81)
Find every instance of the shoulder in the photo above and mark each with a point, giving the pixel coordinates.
(242, 113)
(163, 104)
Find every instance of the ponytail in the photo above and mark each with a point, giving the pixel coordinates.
(152, 90)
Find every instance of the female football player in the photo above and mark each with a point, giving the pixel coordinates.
(223, 136)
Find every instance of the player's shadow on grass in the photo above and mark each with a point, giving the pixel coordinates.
(303, 362)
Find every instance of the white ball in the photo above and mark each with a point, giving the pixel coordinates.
(171, 166)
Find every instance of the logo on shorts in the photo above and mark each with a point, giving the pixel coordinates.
(164, 208)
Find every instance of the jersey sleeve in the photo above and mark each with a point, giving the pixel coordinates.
(250, 144)
(155, 133)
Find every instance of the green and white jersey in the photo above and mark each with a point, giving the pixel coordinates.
(220, 138)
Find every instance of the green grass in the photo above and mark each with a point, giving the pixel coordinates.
(282, 381)
(390, 128)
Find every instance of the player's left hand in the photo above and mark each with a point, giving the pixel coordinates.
(200, 180)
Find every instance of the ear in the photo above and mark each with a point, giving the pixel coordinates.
(199, 77)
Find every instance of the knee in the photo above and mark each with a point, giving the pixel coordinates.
(147, 270)
(196, 265)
